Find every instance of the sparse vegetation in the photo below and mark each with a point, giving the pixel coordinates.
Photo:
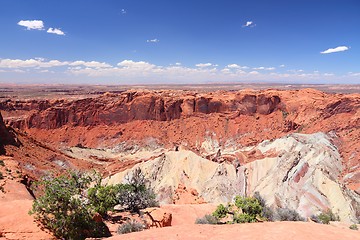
(68, 205)
(63, 210)
(130, 226)
(248, 210)
(325, 217)
(220, 212)
(135, 194)
(251, 209)
(267, 213)
(354, 227)
(2, 163)
(244, 209)
(207, 219)
(286, 214)
(103, 198)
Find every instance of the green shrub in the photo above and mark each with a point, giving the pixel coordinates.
(286, 214)
(130, 226)
(249, 205)
(63, 210)
(103, 198)
(325, 217)
(207, 219)
(2, 163)
(244, 218)
(220, 212)
(267, 213)
(354, 227)
(135, 194)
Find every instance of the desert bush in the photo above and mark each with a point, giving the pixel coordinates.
(2, 163)
(207, 219)
(354, 227)
(135, 194)
(244, 209)
(325, 217)
(244, 218)
(286, 214)
(103, 198)
(130, 226)
(1, 176)
(248, 205)
(267, 213)
(220, 212)
(63, 210)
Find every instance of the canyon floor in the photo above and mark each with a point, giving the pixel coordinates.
(198, 145)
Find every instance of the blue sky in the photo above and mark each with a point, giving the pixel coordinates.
(142, 41)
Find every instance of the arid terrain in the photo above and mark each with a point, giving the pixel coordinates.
(298, 146)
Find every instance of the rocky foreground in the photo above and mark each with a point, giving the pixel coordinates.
(299, 149)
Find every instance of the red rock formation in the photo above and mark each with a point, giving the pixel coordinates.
(172, 117)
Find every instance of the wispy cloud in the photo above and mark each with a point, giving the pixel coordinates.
(249, 24)
(282, 65)
(235, 66)
(146, 72)
(203, 65)
(32, 24)
(334, 50)
(42, 63)
(264, 68)
(123, 11)
(155, 40)
(55, 31)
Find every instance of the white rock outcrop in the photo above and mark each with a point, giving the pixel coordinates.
(302, 176)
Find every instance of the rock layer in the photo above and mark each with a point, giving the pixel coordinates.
(302, 176)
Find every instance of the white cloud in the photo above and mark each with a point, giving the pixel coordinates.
(337, 49)
(130, 64)
(145, 72)
(236, 66)
(282, 65)
(249, 24)
(123, 11)
(178, 64)
(92, 64)
(155, 40)
(41, 63)
(55, 31)
(204, 65)
(32, 24)
(264, 68)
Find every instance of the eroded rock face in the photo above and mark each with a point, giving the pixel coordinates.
(301, 173)
(6, 136)
(304, 176)
(130, 106)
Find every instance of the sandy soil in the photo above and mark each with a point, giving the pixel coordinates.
(253, 231)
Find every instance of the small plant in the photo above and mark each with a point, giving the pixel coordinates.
(207, 219)
(1, 176)
(286, 214)
(267, 213)
(354, 227)
(220, 212)
(325, 217)
(136, 194)
(62, 208)
(2, 163)
(249, 205)
(130, 226)
(103, 198)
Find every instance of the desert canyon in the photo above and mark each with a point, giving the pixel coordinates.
(298, 148)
